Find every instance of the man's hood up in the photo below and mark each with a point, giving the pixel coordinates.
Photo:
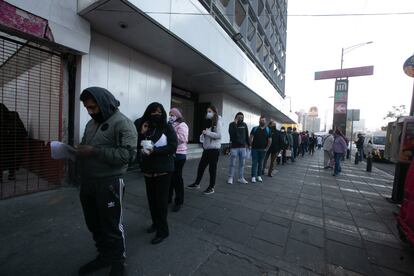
(107, 103)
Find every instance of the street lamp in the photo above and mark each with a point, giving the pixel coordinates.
(290, 103)
(351, 48)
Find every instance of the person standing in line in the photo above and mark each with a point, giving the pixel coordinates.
(274, 149)
(328, 151)
(107, 148)
(302, 144)
(272, 126)
(360, 146)
(319, 141)
(284, 144)
(289, 136)
(177, 183)
(159, 144)
(339, 149)
(239, 139)
(260, 140)
(296, 143)
(312, 144)
(211, 139)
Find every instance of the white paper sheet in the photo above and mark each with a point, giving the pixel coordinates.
(60, 150)
(161, 142)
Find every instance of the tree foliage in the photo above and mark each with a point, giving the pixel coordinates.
(396, 112)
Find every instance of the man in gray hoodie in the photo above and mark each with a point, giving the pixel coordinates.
(108, 146)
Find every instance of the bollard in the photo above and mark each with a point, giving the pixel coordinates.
(356, 158)
(369, 164)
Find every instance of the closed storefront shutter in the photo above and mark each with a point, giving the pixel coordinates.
(31, 116)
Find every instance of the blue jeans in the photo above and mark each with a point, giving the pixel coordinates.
(257, 161)
(338, 159)
(294, 153)
(234, 154)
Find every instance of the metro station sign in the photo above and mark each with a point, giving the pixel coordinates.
(345, 73)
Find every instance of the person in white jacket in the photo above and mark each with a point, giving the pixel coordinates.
(328, 150)
(211, 139)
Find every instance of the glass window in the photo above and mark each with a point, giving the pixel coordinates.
(271, 3)
(240, 13)
(266, 18)
(265, 53)
(259, 42)
(251, 30)
(225, 2)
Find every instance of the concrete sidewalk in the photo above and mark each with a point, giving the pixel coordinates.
(303, 221)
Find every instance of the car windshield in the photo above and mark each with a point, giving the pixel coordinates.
(379, 140)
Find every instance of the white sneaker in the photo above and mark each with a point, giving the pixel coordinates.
(242, 181)
(253, 179)
(259, 178)
(230, 180)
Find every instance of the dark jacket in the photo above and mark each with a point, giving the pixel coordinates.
(276, 145)
(360, 142)
(284, 141)
(239, 135)
(295, 139)
(161, 160)
(114, 140)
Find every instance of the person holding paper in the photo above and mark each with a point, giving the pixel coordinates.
(158, 142)
(108, 146)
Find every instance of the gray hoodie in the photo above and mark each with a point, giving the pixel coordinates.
(212, 138)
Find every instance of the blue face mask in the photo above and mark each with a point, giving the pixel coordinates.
(209, 115)
(172, 119)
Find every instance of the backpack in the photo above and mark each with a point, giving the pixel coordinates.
(254, 130)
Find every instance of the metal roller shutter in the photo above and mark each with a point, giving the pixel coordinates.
(30, 116)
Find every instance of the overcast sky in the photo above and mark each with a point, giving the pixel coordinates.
(314, 44)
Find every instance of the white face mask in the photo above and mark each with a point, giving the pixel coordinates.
(282, 130)
(172, 119)
(209, 115)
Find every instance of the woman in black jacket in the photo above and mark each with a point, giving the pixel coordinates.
(158, 143)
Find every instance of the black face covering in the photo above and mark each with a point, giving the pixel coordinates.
(98, 117)
(156, 120)
(241, 121)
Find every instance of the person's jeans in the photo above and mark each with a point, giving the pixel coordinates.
(361, 154)
(239, 153)
(257, 161)
(303, 149)
(338, 158)
(293, 157)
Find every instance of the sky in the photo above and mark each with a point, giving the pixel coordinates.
(315, 43)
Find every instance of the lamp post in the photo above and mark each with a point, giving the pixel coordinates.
(290, 103)
(351, 48)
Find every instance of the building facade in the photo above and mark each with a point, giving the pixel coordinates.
(187, 54)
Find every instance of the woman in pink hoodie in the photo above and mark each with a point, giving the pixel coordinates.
(177, 183)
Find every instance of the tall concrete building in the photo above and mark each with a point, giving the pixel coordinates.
(310, 121)
(187, 53)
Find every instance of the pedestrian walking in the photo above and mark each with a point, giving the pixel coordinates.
(303, 139)
(158, 142)
(211, 139)
(108, 146)
(177, 183)
(328, 156)
(240, 143)
(296, 143)
(260, 141)
(339, 149)
(319, 141)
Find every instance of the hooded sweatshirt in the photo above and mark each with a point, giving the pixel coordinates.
(114, 138)
(212, 138)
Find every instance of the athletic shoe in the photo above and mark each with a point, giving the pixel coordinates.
(253, 179)
(193, 186)
(259, 178)
(242, 181)
(209, 191)
(230, 180)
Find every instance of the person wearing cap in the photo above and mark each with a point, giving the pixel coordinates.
(240, 142)
(108, 146)
(177, 184)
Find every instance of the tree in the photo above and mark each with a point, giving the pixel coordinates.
(396, 112)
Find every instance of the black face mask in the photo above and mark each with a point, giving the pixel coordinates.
(241, 121)
(98, 117)
(156, 120)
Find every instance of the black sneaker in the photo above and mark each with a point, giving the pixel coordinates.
(117, 269)
(209, 191)
(94, 265)
(193, 186)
